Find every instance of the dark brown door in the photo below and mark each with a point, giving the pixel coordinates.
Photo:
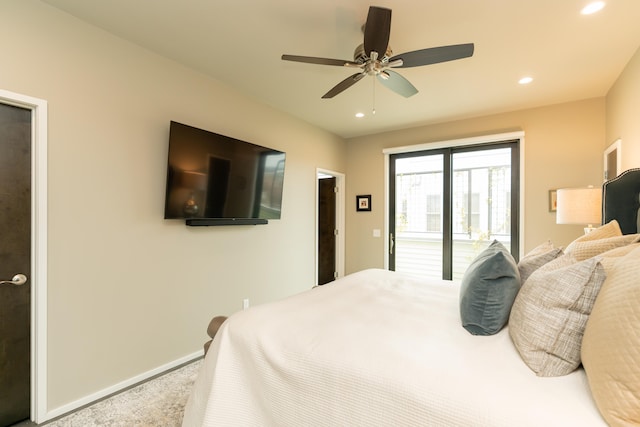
(15, 250)
(326, 230)
(219, 172)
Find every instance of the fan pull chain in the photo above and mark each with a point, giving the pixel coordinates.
(373, 109)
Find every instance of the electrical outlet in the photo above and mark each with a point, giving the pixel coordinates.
(245, 303)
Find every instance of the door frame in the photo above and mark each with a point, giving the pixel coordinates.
(475, 140)
(340, 220)
(38, 273)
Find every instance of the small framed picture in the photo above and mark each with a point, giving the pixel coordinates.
(363, 203)
(553, 200)
(612, 160)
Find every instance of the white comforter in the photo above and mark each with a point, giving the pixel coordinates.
(375, 349)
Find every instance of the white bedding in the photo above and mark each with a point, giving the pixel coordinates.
(375, 349)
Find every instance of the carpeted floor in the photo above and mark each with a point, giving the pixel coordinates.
(158, 402)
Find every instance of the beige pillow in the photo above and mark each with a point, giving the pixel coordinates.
(610, 229)
(611, 257)
(541, 249)
(536, 258)
(550, 312)
(611, 344)
(591, 248)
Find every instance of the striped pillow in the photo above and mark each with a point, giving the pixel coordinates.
(549, 314)
(536, 258)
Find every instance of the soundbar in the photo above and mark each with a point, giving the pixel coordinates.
(206, 222)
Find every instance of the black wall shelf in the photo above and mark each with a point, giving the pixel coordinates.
(206, 222)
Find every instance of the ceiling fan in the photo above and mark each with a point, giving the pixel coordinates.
(374, 57)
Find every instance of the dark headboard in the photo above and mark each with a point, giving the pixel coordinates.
(621, 200)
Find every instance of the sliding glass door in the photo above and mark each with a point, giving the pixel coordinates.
(417, 232)
(447, 205)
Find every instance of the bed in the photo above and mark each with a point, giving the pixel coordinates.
(377, 348)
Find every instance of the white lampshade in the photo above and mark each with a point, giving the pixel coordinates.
(579, 206)
(193, 180)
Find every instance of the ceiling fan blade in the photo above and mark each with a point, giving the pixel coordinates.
(433, 55)
(397, 83)
(376, 31)
(320, 61)
(345, 84)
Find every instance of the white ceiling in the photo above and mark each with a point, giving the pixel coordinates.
(240, 42)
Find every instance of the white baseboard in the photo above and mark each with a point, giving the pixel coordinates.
(92, 398)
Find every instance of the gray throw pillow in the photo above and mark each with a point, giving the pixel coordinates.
(488, 289)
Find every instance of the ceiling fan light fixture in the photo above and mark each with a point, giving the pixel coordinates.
(593, 7)
(374, 57)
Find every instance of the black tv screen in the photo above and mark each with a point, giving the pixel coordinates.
(212, 176)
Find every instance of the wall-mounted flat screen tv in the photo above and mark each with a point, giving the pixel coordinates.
(216, 177)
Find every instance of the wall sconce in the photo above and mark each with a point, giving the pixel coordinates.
(579, 206)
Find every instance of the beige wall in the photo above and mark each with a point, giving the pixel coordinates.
(563, 148)
(129, 291)
(623, 113)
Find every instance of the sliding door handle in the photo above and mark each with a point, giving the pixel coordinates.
(18, 279)
(391, 243)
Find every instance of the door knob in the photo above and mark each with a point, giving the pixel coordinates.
(18, 279)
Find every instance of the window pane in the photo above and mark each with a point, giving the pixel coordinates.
(418, 239)
(460, 202)
(481, 203)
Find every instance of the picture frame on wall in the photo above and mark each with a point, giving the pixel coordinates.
(553, 200)
(613, 160)
(363, 203)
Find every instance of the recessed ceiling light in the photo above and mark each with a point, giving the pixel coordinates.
(359, 115)
(525, 80)
(592, 7)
